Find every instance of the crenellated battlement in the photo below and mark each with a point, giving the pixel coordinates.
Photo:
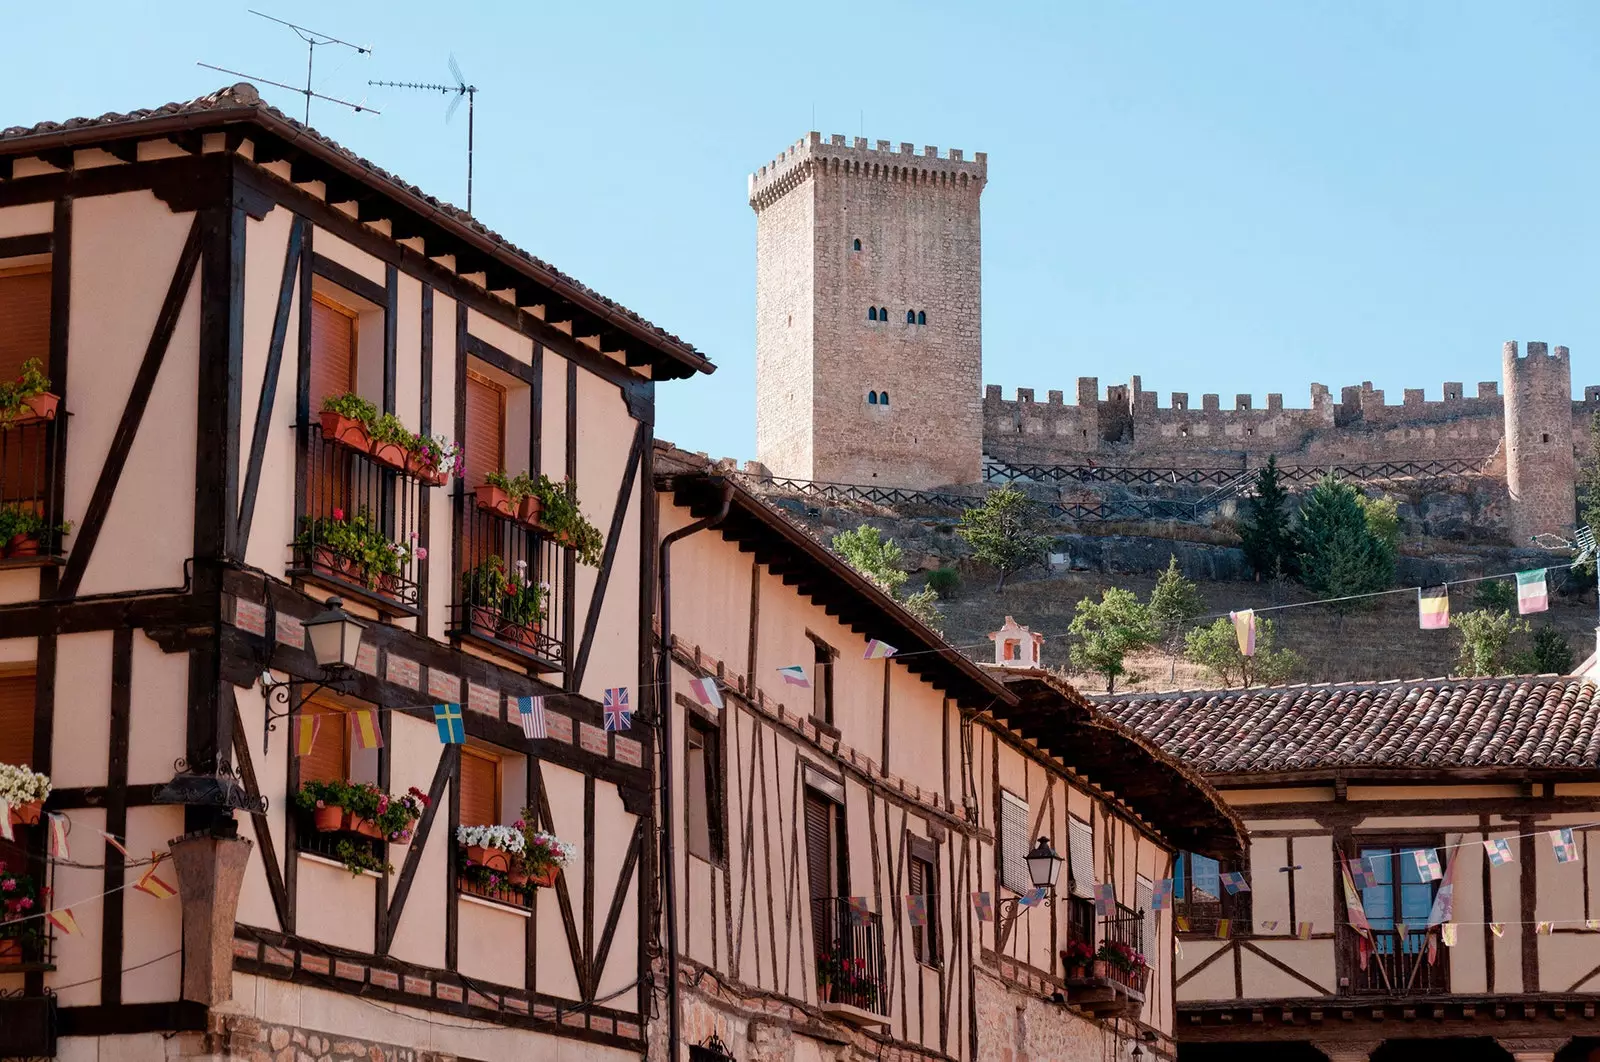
(881, 161)
(1362, 396)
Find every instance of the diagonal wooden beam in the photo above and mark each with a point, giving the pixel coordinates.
(1286, 968)
(446, 771)
(144, 382)
(269, 850)
(569, 921)
(591, 623)
(614, 915)
(269, 385)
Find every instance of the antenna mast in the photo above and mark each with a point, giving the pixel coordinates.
(460, 90)
(313, 39)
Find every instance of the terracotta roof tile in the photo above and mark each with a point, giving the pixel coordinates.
(1534, 721)
(244, 98)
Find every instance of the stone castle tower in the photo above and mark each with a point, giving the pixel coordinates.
(1539, 440)
(869, 357)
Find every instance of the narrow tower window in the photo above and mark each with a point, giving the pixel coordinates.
(883, 313)
(872, 313)
(855, 244)
(883, 398)
(911, 317)
(872, 398)
(922, 317)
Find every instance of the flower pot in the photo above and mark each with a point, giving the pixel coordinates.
(388, 453)
(1102, 968)
(328, 819)
(326, 560)
(485, 620)
(528, 510)
(27, 814)
(517, 877)
(543, 877)
(489, 858)
(10, 952)
(517, 634)
(39, 407)
(23, 546)
(365, 827)
(424, 470)
(1077, 971)
(346, 430)
(494, 499)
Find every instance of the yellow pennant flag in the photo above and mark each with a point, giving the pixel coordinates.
(152, 885)
(1497, 928)
(309, 726)
(1224, 927)
(1183, 923)
(62, 919)
(364, 725)
(1447, 933)
(1591, 923)
(1543, 929)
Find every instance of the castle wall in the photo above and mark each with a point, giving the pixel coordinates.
(1539, 465)
(841, 230)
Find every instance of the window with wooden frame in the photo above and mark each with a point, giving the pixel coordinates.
(18, 690)
(485, 444)
(1012, 832)
(922, 873)
(334, 329)
(480, 787)
(1200, 896)
(1081, 882)
(823, 657)
(24, 336)
(702, 768)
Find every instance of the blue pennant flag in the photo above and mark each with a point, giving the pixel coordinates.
(452, 730)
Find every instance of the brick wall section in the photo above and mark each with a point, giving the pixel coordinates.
(818, 356)
(1018, 1026)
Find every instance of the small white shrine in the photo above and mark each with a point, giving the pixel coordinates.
(1016, 646)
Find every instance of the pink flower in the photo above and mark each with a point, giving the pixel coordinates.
(338, 514)
(10, 885)
(320, 805)
(422, 553)
(24, 904)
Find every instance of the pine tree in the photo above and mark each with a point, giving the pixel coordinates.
(1174, 606)
(1341, 553)
(1589, 493)
(1005, 532)
(1265, 530)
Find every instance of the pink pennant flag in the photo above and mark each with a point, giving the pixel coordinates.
(114, 843)
(59, 828)
(877, 650)
(1566, 848)
(1105, 900)
(705, 691)
(1161, 894)
(1244, 626)
(1352, 901)
(795, 675)
(1234, 881)
(917, 910)
(1361, 874)
(1428, 867)
(1499, 850)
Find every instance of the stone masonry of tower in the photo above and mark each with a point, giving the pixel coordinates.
(869, 358)
(844, 229)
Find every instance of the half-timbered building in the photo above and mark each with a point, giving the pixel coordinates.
(1365, 802)
(197, 281)
(849, 826)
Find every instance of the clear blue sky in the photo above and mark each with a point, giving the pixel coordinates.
(1221, 197)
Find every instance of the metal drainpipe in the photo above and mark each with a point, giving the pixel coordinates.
(669, 876)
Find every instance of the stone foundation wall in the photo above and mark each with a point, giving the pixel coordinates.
(238, 1037)
(1017, 1026)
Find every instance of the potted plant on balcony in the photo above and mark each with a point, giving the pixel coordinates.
(353, 547)
(20, 900)
(494, 848)
(1076, 959)
(361, 808)
(24, 792)
(23, 531)
(830, 971)
(502, 604)
(503, 493)
(391, 442)
(27, 398)
(543, 854)
(435, 460)
(566, 523)
(345, 420)
(1122, 963)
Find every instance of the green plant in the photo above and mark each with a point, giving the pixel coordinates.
(565, 520)
(542, 850)
(20, 896)
(394, 816)
(1215, 648)
(512, 596)
(1497, 595)
(924, 605)
(1106, 631)
(1342, 552)
(876, 557)
(1266, 531)
(360, 540)
(944, 582)
(1005, 532)
(388, 428)
(1174, 606)
(516, 487)
(351, 405)
(359, 857)
(20, 518)
(14, 394)
(1484, 639)
(1551, 653)
(1120, 956)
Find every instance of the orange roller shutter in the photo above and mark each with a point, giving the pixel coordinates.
(24, 320)
(16, 719)
(480, 783)
(333, 352)
(330, 759)
(486, 429)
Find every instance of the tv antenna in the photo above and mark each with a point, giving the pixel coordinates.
(313, 40)
(461, 91)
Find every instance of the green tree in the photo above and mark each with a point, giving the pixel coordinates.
(874, 556)
(1174, 606)
(1341, 555)
(924, 604)
(1550, 655)
(944, 582)
(1497, 595)
(1383, 520)
(1216, 650)
(1005, 532)
(1484, 640)
(1106, 631)
(1266, 531)
(1589, 492)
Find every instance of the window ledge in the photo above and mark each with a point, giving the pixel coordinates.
(495, 905)
(325, 861)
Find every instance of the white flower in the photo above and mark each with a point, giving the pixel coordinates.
(553, 848)
(504, 838)
(19, 786)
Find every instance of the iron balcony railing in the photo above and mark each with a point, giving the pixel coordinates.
(510, 585)
(357, 524)
(850, 962)
(1413, 963)
(30, 512)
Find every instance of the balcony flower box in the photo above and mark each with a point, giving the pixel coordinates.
(27, 398)
(435, 460)
(495, 499)
(355, 549)
(346, 419)
(528, 510)
(364, 810)
(25, 792)
(21, 899)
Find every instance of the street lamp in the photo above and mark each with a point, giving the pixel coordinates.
(335, 640)
(1044, 867)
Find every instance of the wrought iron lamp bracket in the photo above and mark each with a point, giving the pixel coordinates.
(337, 679)
(1009, 910)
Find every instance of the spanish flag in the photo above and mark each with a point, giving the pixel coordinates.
(364, 725)
(309, 726)
(1224, 928)
(1433, 608)
(62, 919)
(154, 886)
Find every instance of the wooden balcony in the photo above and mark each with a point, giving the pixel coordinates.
(1396, 965)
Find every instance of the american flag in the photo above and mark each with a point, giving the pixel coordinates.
(618, 712)
(530, 710)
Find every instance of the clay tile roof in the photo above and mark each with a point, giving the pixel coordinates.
(1526, 722)
(243, 102)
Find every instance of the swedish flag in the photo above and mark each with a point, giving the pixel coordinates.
(452, 731)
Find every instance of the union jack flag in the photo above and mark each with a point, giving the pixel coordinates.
(618, 712)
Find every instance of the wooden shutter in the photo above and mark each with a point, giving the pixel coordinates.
(16, 719)
(329, 760)
(1080, 856)
(24, 319)
(486, 429)
(333, 352)
(918, 884)
(480, 783)
(819, 847)
(1141, 903)
(1014, 843)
